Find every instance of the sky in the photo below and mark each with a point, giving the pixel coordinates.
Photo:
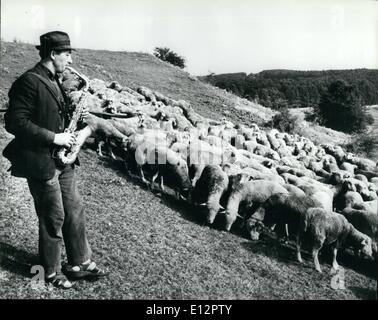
(220, 36)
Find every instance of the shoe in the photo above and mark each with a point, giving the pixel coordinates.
(85, 271)
(59, 281)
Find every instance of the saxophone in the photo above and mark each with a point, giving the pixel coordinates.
(64, 155)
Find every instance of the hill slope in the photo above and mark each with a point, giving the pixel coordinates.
(154, 246)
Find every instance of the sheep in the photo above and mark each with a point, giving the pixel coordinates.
(369, 206)
(330, 166)
(361, 177)
(339, 154)
(250, 194)
(261, 150)
(294, 190)
(286, 209)
(289, 139)
(257, 175)
(346, 166)
(316, 190)
(262, 138)
(291, 161)
(347, 200)
(228, 134)
(94, 103)
(148, 94)
(253, 156)
(96, 85)
(296, 171)
(365, 222)
(140, 145)
(238, 141)
(242, 161)
(317, 168)
(166, 163)
(362, 163)
(285, 151)
(329, 159)
(231, 169)
(370, 174)
(215, 130)
(104, 130)
(322, 227)
(213, 140)
(198, 158)
(115, 86)
(374, 181)
(336, 152)
(372, 187)
(366, 193)
(247, 133)
(209, 189)
(273, 140)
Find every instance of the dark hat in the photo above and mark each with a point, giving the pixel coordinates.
(54, 40)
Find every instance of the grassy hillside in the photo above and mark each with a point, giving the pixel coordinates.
(154, 246)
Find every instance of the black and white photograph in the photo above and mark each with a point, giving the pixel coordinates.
(189, 155)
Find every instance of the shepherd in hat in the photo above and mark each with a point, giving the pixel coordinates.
(37, 116)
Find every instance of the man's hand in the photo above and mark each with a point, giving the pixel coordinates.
(64, 139)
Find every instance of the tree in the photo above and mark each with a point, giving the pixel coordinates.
(169, 56)
(340, 108)
(284, 121)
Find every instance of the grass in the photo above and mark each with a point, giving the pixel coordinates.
(154, 246)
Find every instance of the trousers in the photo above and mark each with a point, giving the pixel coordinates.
(61, 217)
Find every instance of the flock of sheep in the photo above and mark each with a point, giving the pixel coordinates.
(270, 179)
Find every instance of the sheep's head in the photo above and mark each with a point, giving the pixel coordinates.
(335, 178)
(349, 157)
(269, 164)
(348, 185)
(254, 228)
(124, 144)
(237, 181)
(365, 246)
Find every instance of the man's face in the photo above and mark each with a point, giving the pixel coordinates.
(61, 60)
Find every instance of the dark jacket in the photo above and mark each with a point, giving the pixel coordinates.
(36, 112)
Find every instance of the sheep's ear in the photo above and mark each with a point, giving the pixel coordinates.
(243, 177)
(365, 241)
(202, 204)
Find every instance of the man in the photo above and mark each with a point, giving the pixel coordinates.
(37, 115)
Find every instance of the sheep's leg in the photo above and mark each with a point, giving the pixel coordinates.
(177, 194)
(299, 257)
(99, 148)
(111, 151)
(230, 219)
(141, 173)
(357, 253)
(335, 265)
(286, 236)
(194, 181)
(162, 183)
(315, 253)
(154, 177)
